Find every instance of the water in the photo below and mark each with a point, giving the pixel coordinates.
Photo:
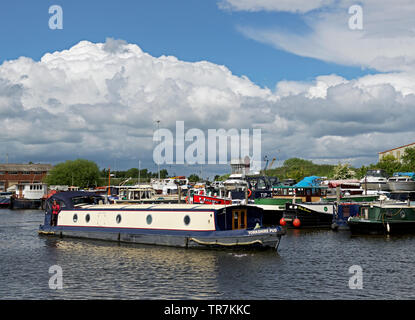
(311, 264)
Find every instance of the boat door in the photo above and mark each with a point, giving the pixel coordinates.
(20, 187)
(239, 219)
(308, 195)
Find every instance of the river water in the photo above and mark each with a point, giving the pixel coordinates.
(310, 264)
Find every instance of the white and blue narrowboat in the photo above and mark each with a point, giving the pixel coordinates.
(84, 215)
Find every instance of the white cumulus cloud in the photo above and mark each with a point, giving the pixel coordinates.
(100, 101)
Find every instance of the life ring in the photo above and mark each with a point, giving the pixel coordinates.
(249, 193)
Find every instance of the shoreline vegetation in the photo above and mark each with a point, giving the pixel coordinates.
(86, 174)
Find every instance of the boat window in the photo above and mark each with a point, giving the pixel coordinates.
(118, 219)
(75, 217)
(87, 218)
(149, 219)
(261, 184)
(186, 220)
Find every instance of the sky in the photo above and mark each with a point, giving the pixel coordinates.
(316, 85)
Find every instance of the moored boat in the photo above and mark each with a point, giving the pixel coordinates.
(306, 215)
(28, 195)
(384, 218)
(350, 191)
(375, 179)
(343, 211)
(183, 225)
(307, 190)
(402, 181)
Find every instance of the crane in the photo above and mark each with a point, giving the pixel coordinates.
(272, 162)
(266, 163)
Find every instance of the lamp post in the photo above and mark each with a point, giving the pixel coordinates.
(158, 138)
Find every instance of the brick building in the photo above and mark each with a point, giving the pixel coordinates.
(12, 174)
(396, 152)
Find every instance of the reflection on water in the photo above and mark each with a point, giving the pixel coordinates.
(311, 264)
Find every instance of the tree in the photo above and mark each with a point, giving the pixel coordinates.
(361, 172)
(408, 160)
(194, 178)
(390, 164)
(297, 169)
(343, 171)
(82, 173)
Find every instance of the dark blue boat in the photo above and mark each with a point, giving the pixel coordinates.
(343, 213)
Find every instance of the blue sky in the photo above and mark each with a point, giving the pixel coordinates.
(190, 30)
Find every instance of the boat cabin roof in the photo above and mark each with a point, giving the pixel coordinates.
(294, 187)
(144, 206)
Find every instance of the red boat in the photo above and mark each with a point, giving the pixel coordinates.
(200, 197)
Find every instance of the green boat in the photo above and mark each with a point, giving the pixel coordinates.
(352, 198)
(384, 218)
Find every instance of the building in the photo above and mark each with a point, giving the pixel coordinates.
(13, 174)
(396, 152)
(240, 166)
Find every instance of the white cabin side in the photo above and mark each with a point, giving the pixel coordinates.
(184, 220)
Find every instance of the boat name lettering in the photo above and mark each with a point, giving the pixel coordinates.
(261, 231)
(304, 209)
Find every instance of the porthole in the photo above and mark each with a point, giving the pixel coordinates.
(118, 218)
(186, 220)
(87, 218)
(149, 219)
(75, 218)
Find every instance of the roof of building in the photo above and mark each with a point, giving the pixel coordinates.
(25, 167)
(407, 145)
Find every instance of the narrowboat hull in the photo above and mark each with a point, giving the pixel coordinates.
(393, 218)
(379, 228)
(20, 204)
(235, 239)
(352, 198)
(309, 215)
